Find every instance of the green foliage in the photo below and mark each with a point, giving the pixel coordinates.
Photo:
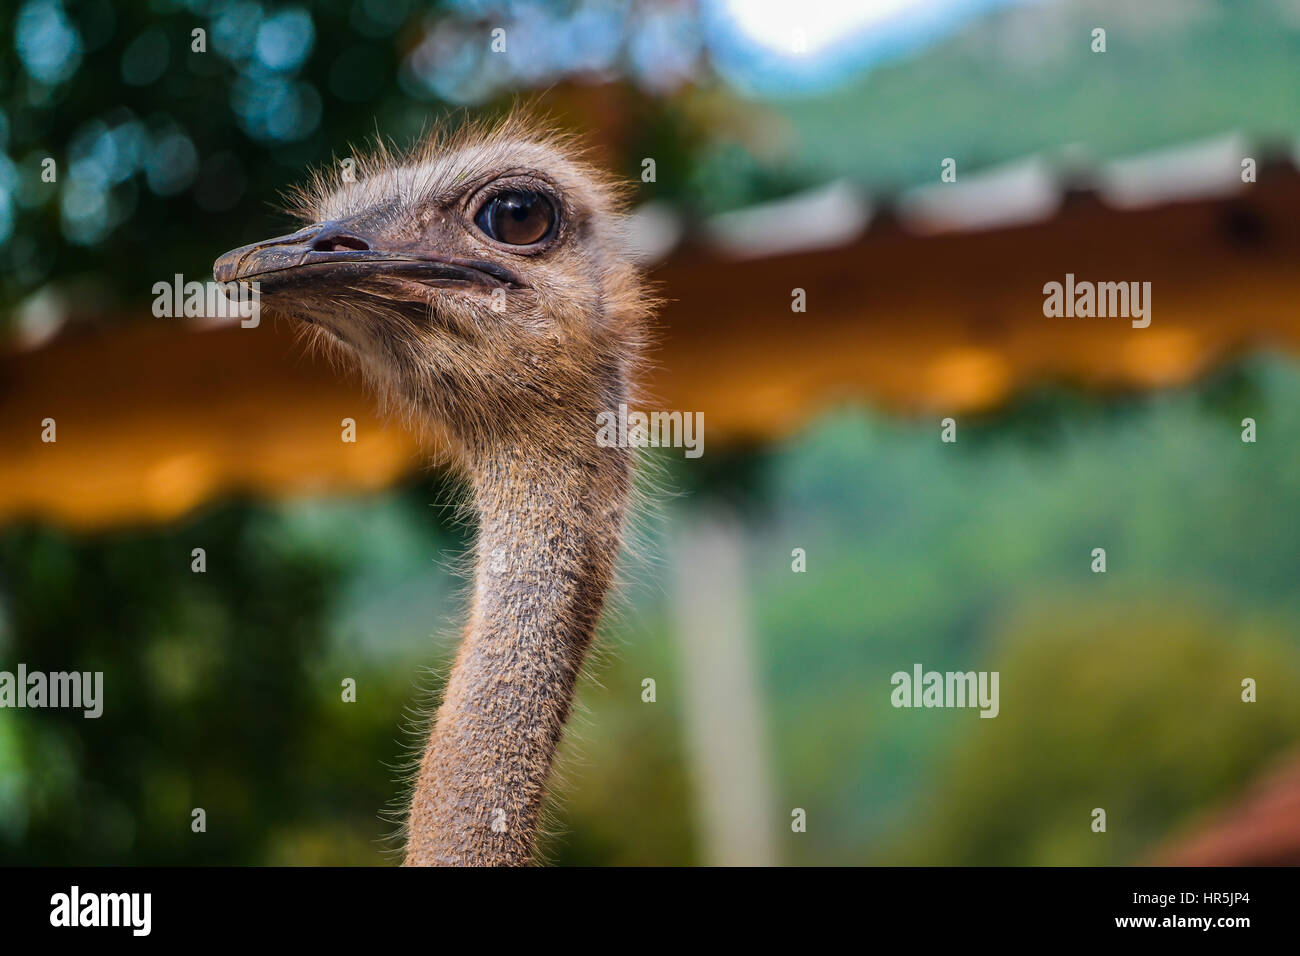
(920, 551)
(627, 754)
(206, 681)
(221, 691)
(1133, 708)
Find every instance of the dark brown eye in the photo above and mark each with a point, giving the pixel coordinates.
(517, 218)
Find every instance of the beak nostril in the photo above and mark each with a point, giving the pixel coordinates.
(340, 242)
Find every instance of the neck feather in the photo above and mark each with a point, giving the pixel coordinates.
(550, 528)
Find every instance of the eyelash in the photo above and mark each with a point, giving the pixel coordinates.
(516, 183)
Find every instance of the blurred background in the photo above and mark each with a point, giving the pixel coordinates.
(793, 145)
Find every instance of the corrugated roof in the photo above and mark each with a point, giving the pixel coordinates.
(155, 418)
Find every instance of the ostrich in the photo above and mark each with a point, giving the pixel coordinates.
(484, 283)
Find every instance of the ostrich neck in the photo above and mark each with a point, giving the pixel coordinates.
(550, 525)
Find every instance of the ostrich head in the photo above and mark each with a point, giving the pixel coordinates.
(484, 284)
(483, 280)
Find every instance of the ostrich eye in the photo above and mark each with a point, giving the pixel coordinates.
(517, 218)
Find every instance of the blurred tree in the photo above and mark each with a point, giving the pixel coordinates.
(221, 691)
(1131, 707)
(170, 147)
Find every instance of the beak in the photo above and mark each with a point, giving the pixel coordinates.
(329, 254)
